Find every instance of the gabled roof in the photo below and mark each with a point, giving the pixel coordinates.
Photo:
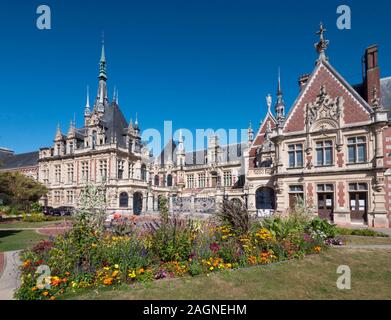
(330, 75)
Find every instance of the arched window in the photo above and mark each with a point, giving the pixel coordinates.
(144, 172)
(137, 203)
(265, 199)
(123, 200)
(169, 180)
(156, 181)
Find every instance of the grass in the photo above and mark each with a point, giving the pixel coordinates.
(358, 240)
(360, 232)
(17, 240)
(53, 221)
(311, 278)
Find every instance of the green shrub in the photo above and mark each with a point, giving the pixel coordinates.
(360, 232)
(322, 229)
(34, 217)
(36, 208)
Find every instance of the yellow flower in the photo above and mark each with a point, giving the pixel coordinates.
(211, 268)
(115, 273)
(34, 289)
(116, 266)
(94, 245)
(132, 274)
(106, 268)
(52, 298)
(46, 293)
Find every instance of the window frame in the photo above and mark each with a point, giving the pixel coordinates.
(295, 151)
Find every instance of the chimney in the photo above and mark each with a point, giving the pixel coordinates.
(303, 80)
(372, 72)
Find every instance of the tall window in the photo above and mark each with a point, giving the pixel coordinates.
(144, 172)
(103, 169)
(324, 153)
(227, 179)
(57, 173)
(156, 182)
(70, 172)
(57, 197)
(295, 152)
(201, 180)
(357, 150)
(45, 176)
(120, 173)
(70, 147)
(169, 180)
(190, 181)
(70, 196)
(85, 171)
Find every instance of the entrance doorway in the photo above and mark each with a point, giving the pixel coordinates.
(326, 201)
(137, 203)
(358, 202)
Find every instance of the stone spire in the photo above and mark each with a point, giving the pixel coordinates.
(130, 127)
(87, 110)
(102, 97)
(71, 131)
(323, 44)
(102, 64)
(58, 136)
(280, 105)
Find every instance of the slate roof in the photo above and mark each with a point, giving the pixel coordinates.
(385, 84)
(232, 152)
(20, 161)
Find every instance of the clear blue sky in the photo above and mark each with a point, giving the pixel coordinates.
(201, 64)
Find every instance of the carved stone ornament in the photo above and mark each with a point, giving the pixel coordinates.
(325, 112)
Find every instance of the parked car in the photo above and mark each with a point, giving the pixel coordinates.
(47, 211)
(62, 211)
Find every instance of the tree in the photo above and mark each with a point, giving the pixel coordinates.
(20, 191)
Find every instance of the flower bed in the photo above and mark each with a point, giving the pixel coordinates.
(90, 256)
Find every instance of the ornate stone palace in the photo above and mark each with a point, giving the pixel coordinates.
(332, 149)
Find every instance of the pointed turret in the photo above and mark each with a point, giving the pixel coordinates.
(58, 136)
(102, 64)
(136, 126)
(180, 154)
(71, 131)
(280, 105)
(102, 97)
(87, 110)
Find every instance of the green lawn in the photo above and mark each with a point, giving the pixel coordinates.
(16, 240)
(311, 278)
(21, 224)
(356, 240)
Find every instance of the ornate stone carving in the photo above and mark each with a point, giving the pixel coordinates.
(325, 112)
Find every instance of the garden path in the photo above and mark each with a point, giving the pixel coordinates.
(10, 279)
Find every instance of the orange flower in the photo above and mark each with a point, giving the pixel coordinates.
(52, 298)
(46, 293)
(34, 289)
(67, 274)
(317, 249)
(108, 281)
(141, 270)
(26, 263)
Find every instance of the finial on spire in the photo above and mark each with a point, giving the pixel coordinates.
(136, 122)
(323, 44)
(58, 136)
(87, 110)
(280, 105)
(102, 63)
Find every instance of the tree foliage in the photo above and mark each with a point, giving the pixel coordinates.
(19, 191)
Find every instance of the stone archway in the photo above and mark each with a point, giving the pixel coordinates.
(137, 203)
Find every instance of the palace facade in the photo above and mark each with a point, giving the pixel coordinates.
(332, 149)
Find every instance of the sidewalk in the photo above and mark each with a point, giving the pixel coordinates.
(10, 278)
